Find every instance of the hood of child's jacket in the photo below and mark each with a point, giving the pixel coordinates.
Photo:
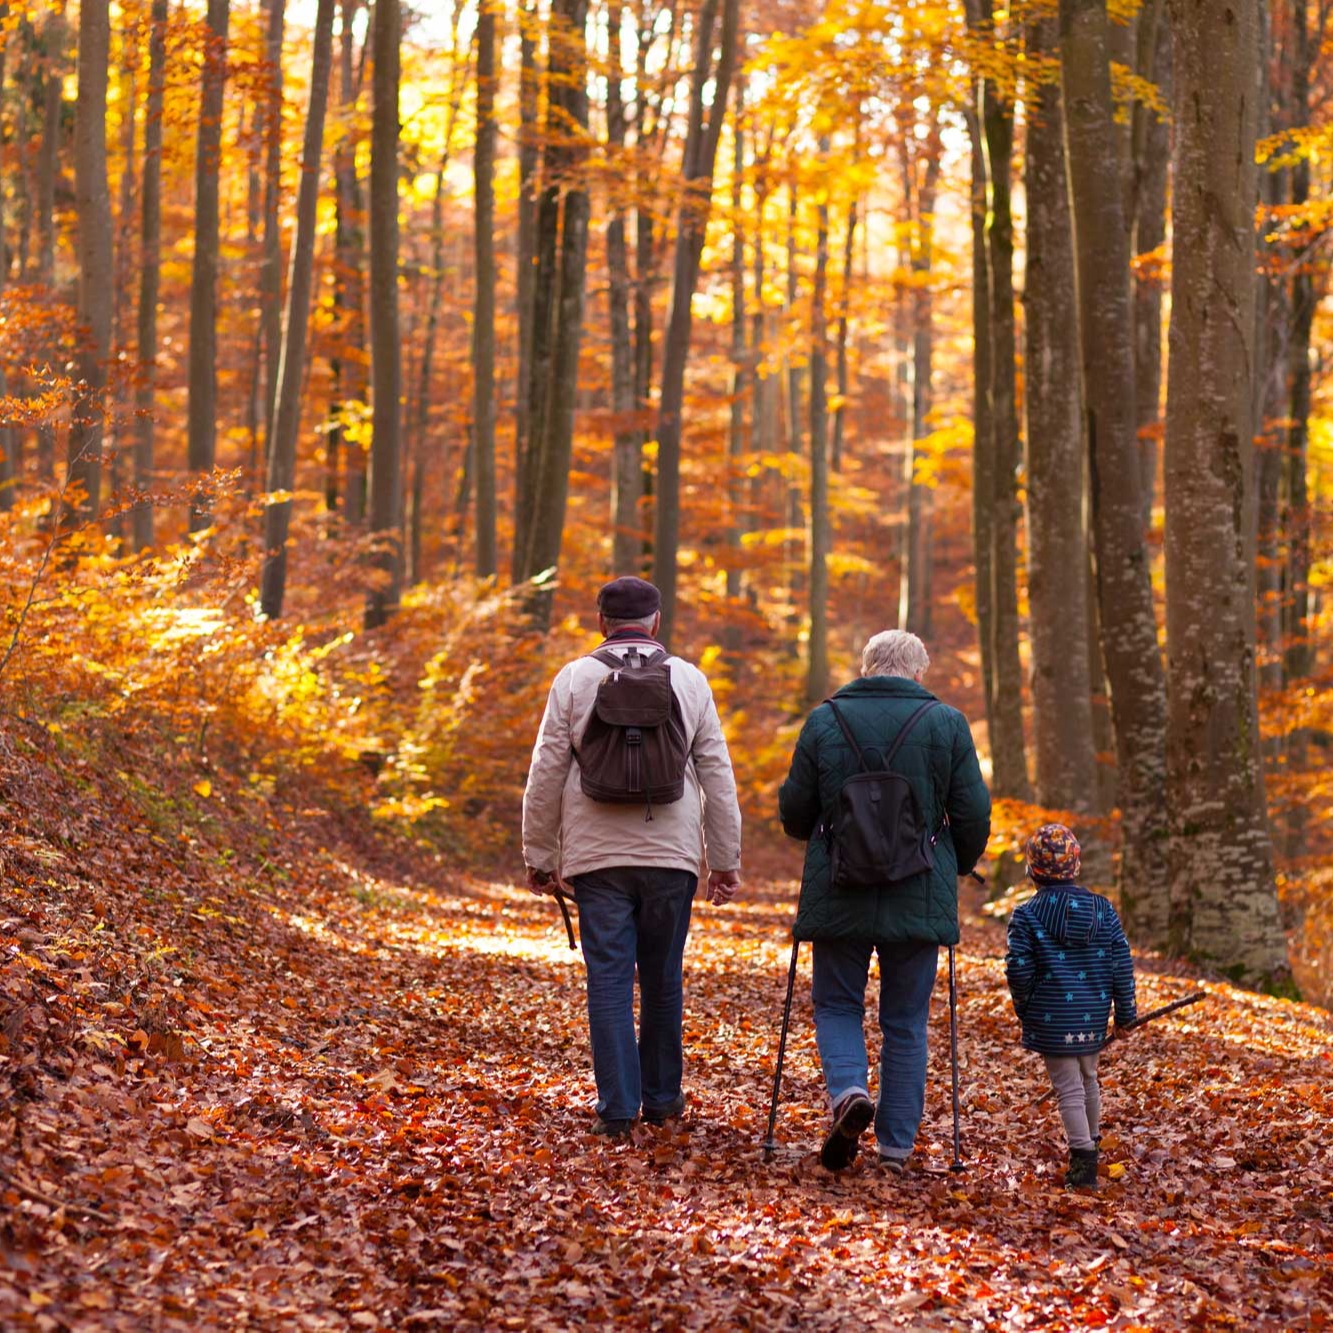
(1067, 912)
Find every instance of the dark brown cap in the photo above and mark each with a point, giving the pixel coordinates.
(628, 598)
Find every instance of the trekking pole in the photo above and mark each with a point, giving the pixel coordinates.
(769, 1146)
(957, 1163)
(557, 891)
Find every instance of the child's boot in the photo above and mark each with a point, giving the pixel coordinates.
(1082, 1171)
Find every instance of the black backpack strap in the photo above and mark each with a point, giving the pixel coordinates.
(907, 727)
(847, 731)
(607, 658)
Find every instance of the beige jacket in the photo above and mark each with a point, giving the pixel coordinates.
(563, 830)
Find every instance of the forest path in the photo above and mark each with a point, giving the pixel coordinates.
(323, 1096)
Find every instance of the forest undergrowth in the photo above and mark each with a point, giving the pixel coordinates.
(267, 1066)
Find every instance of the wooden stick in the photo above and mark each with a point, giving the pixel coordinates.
(51, 1201)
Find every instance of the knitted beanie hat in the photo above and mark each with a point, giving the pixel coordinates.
(1053, 854)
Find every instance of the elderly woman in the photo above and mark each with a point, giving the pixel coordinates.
(904, 921)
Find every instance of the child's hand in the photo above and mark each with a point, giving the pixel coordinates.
(1119, 1033)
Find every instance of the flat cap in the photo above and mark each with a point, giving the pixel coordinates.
(628, 598)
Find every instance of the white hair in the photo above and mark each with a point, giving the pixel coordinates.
(894, 652)
(644, 623)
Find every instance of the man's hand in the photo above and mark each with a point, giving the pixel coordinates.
(722, 886)
(543, 881)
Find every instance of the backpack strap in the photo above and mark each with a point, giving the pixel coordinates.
(906, 727)
(607, 658)
(847, 732)
(897, 740)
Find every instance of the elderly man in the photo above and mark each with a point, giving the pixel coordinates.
(886, 720)
(630, 791)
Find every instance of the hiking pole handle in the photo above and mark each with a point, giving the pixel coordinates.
(561, 898)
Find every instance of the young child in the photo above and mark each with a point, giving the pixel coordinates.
(1068, 960)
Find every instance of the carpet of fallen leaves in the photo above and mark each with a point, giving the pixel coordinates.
(262, 1069)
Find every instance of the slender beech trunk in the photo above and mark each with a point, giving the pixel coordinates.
(1066, 776)
(282, 430)
(203, 404)
(385, 350)
(1152, 162)
(983, 462)
(48, 169)
(1299, 657)
(627, 451)
(700, 155)
(558, 299)
(817, 664)
(1224, 895)
(1008, 749)
(844, 326)
(150, 259)
(349, 293)
(270, 264)
(93, 202)
(1124, 588)
(741, 368)
(483, 312)
(914, 581)
(529, 92)
(8, 472)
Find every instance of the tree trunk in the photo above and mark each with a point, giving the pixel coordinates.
(483, 316)
(282, 430)
(8, 471)
(48, 169)
(844, 325)
(270, 264)
(627, 452)
(558, 304)
(526, 281)
(913, 583)
(983, 462)
(93, 202)
(150, 260)
(1124, 587)
(385, 349)
(1224, 895)
(203, 405)
(817, 665)
(1066, 777)
(700, 155)
(1008, 748)
(349, 375)
(1152, 160)
(741, 370)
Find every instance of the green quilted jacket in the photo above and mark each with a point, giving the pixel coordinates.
(939, 760)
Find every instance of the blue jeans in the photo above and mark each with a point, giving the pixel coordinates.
(635, 917)
(906, 978)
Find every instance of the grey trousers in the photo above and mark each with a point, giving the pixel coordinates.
(1074, 1078)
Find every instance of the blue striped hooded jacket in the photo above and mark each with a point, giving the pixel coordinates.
(1068, 961)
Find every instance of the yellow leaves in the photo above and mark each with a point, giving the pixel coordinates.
(203, 788)
(1116, 1170)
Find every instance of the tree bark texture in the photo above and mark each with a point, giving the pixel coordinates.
(270, 264)
(385, 349)
(1128, 622)
(93, 200)
(483, 312)
(627, 452)
(150, 259)
(700, 155)
(741, 367)
(817, 663)
(1066, 761)
(1224, 897)
(283, 428)
(558, 306)
(203, 407)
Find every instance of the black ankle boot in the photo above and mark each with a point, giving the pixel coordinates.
(1082, 1173)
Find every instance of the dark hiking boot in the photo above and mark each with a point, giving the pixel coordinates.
(671, 1112)
(851, 1118)
(894, 1166)
(1082, 1173)
(612, 1129)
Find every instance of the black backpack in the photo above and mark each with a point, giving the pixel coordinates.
(634, 748)
(879, 837)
